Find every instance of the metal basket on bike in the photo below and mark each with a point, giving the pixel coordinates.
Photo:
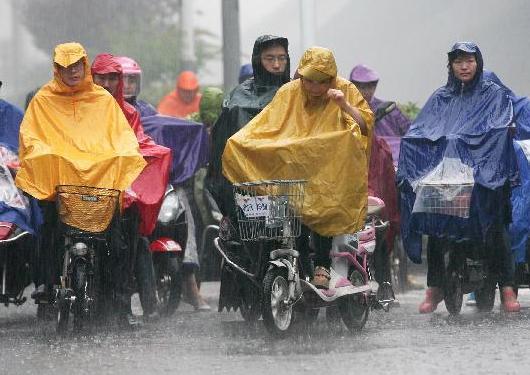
(86, 208)
(270, 209)
(444, 199)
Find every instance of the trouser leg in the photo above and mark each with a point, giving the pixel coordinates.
(381, 259)
(120, 268)
(322, 248)
(48, 260)
(435, 263)
(145, 277)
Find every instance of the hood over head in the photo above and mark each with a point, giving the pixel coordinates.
(187, 80)
(364, 74)
(467, 47)
(261, 75)
(318, 64)
(211, 105)
(245, 72)
(66, 54)
(105, 63)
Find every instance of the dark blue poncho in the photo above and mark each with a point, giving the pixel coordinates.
(464, 125)
(14, 207)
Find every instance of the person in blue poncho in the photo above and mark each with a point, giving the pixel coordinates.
(460, 139)
(20, 210)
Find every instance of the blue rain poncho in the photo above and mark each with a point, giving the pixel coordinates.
(520, 197)
(14, 206)
(457, 162)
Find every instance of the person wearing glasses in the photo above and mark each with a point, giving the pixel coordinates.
(271, 67)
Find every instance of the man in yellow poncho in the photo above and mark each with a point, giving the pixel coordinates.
(73, 133)
(316, 128)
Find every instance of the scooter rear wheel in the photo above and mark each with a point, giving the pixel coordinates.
(169, 286)
(277, 315)
(354, 312)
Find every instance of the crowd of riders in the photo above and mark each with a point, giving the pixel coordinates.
(88, 127)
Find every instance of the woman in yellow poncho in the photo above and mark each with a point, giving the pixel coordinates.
(316, 128)
(73, 133)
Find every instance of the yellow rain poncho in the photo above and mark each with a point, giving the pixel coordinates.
(293, 139)
(75, 136)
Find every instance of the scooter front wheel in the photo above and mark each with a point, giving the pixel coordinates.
(277, 314)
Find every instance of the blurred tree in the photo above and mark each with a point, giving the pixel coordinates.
(146, 30)
(410, 110)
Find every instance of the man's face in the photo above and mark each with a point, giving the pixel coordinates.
(109, 82)
(187, 96)
(367, 89)
(316, 89)
(73, 74)
(274, 59)
(464, 67)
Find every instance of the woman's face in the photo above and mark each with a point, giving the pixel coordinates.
(316, 89)
(464, 67)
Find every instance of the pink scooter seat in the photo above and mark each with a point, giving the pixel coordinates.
(375, 206)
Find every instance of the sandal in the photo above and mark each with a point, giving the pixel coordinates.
(321, 278)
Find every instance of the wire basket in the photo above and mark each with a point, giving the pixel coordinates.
(86, 208)
(269, 209)
(445, 199)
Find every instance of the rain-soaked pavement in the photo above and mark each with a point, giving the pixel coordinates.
(398, 342)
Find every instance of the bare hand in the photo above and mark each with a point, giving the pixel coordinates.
(338, 97)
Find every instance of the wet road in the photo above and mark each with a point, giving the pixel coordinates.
(398, 342)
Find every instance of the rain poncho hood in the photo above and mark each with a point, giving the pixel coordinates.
(242, 104)
(317, 64)
(14, 206)
(149, 188)
(75, 135)
(173, 105)
(245, 72)
(294, 139)
(10, 119)
(210, 106)
(364, 74)
(460, 136)
(262, 77)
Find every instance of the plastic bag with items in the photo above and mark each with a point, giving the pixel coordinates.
(445, 190)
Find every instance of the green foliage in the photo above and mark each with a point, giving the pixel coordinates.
(146, 30)
(410, 110)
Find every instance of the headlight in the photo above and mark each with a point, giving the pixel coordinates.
(170, 208)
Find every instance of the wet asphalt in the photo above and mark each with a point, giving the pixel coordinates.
(398, 342)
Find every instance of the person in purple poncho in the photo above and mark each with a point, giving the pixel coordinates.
(392, 126)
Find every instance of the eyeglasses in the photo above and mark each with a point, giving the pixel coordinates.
(270, 59)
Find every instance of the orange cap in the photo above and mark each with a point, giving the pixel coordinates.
(187, 80)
